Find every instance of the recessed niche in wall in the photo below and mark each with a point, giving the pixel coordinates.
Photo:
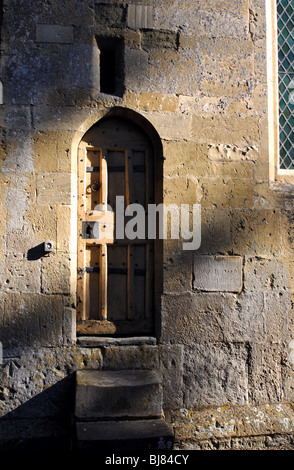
(111, 65)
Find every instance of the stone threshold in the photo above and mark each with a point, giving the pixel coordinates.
(98, 341)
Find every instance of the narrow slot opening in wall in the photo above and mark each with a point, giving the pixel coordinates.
(111, 65)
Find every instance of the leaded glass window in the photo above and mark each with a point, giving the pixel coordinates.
(285, 10)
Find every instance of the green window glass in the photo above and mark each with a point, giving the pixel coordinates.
(285, 10)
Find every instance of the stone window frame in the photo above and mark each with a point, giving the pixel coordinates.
(276, 174)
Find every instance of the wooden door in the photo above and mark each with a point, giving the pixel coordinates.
(115, 276)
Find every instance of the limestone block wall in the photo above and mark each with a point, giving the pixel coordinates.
(197, 72)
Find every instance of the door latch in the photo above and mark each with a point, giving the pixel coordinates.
(90, 230)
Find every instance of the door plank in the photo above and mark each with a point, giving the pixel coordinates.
(117, 282)
(103, 248)
(92, 178)
(103, 181)
(92, 275)
(138, 297)
(103, 282)
(81, 283)
(81, 280)
(147, 279)
(116, 179)
(129, 281)
(127, 184)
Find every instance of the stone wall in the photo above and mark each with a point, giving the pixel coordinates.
(195, 70)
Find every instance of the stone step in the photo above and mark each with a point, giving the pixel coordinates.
(117, 394)
(125, 435)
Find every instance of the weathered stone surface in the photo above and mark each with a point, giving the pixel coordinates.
(69, 327)
(231, 169)
(118, 394)
(210, 317)
(42, 220)
(53, 118)
(64, 218)
(157, 102)
(232, 79)
(19, 274)
(230, 422)
(226, 193)
(247, 320)
(54, 33)
(287, 229)
(231, 130)
(18, 158)
(78, 14)
(216, 230)
(255, 232)
(171, 368)
(52, 151)
(136, 68)
(83, 66)
(110, 15)
(232, 153)
(46, 375)
(74, 96)
(53, 188)
(279, 322)
(19, 118)
(154, 39)
(31, 319)
(130, 357)
(170, 127)
(184, 159)
(218, 273)
(265, 371)
(43, 146)
(209, 14)
(221, 371)
(56, 274)
(20, 240)
(177, 272)
(262, 273)
(180, 191)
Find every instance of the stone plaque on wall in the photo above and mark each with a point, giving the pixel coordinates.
(218, 273)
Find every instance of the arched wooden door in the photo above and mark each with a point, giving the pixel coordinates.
(115, 276)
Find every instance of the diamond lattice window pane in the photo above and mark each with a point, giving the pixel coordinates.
(285, 10)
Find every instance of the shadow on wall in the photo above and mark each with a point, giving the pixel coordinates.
(31, 321)
(36, 386)
(38, 251)
(43, 422)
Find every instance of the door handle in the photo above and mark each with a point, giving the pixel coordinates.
(95, 186)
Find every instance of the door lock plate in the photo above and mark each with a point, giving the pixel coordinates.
(90, 230)
(100, 229)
